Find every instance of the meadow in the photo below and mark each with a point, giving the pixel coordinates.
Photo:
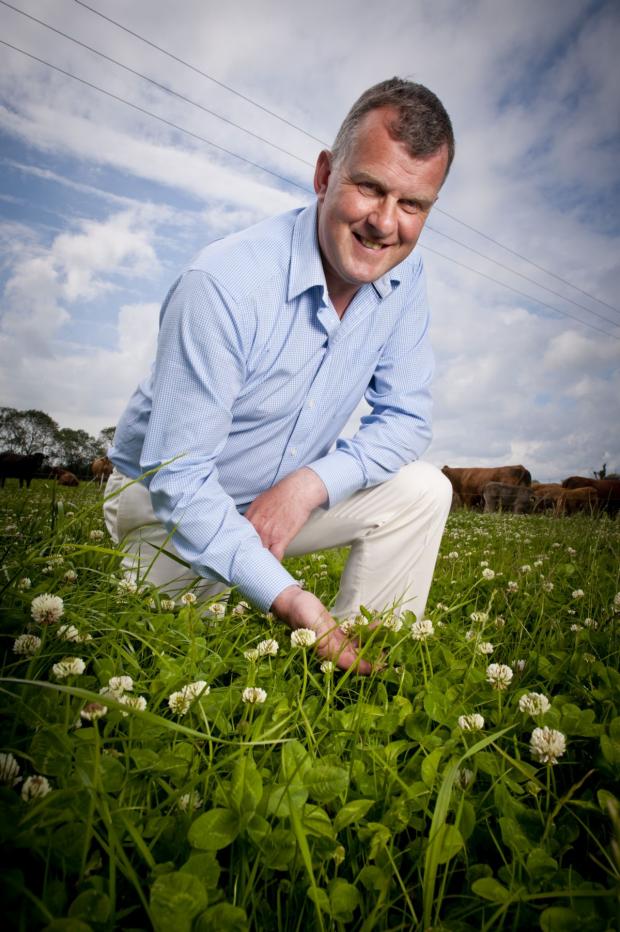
(174, 767)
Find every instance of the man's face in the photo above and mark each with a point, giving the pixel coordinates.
(372, 206)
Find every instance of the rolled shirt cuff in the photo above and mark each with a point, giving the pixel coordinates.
(262, 579)
(341, 474)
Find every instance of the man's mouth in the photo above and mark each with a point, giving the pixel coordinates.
(369, 243)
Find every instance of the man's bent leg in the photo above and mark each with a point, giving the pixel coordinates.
(394, 530)
(131, 522)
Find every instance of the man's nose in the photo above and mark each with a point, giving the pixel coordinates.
(382, 218)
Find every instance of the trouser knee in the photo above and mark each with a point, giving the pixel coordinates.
(422, 484)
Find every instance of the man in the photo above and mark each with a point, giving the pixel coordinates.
(267, 343)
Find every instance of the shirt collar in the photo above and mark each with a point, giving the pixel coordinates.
(306, 269)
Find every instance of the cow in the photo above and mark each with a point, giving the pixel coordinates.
(64, 477)
(101, 469)
(501, 496)
(608, 491)
(469, 483)
(546, 495)
(574, 500)
(22, 466)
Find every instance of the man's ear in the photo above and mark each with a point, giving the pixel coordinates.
(322, 172)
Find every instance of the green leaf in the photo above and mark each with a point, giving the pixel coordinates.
(51, 751)
(175, 899)
(540, 865)
(430, 767)
(246, 787)
(280, 799)
(214, 830)
(204, 866)
(373, 878)
(112, 774)
(223, 917)
(320, 899)
(344, 899)
(559, 919)
(324, 782)
(514, 837)
(315, 821)
(296, 762)
(491, 889)
(351, 812)
(278, 849)
(448, 843)
(68, 925)
(91, 906)
(257, 828)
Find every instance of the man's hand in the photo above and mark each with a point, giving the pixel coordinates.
(279, 513)
(300, 609)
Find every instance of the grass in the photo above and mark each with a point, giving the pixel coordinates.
(339, 802)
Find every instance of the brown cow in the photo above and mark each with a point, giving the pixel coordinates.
(546, 495)
(101, 469)
(608, 491)
(502, 496)
(64, 477)
(469, 483)
(574, 500)
(20, 466)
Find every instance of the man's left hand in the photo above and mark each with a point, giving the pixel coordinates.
(279, 513)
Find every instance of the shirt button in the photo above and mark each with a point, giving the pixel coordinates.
(312, 403)
(293, 451)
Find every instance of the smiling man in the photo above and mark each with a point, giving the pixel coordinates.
(267, 343)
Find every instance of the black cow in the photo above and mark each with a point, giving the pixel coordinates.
(19, 466)
(501, 496)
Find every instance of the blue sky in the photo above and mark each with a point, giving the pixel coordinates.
(101, 206)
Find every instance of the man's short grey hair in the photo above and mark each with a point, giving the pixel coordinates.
(420, 120)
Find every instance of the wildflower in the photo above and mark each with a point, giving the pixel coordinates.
(453, 555)
(251, 655)
(93, 711)
(526, 568)
(191, 801)
(589, 658)
(578, 593)
(26, 645)
(556, 545)
(616, 602)
(499, 675)
(479, 617)
(253, 695)
(167, 605)
(241, 608)
(24, 583)
(179, 702)
(470, 634)
(547, 745)
(70, 576)
(472, 722)
(327, 666)
(127, 587)
(464, 777)
(576, 628)
(512, 586)
(68, 633)
(216, 608)
(121, 684)
(132, 702)
(547, 586)
(47, 609)
(9, 769)
(534, 704)
(392, 623)
(538, 563)
(500, 621)
(35, 787)
(189, 598)
(571, 551)
(68, 666)
(591, 623)
(484, 563)
(520, 665)
(488, 573)
(96, 535)
(442, 607)
(199, 688)
(303, 637)
(485, 647)
(267, 648)
(422, 629)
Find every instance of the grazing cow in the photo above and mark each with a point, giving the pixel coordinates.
(19, 466)
(102, 469)
(546, 495)
(457, 502)
(574, 500)
(608, 491)
(501, 496)
(469, 483)
(64, 477)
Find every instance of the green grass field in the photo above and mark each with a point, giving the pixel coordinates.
(469, 784)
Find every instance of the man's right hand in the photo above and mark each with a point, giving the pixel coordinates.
(301, 609)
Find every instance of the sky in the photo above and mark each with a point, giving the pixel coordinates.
(102, 203)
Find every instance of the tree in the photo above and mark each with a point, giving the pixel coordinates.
(601, 473)
(76, 450)
(105, 439)
(28, 431)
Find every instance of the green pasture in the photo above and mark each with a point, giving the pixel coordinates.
(437, 794)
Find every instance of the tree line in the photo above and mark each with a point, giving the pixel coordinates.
(33, 431)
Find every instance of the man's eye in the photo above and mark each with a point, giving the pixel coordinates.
(367, 188)
(410, 207)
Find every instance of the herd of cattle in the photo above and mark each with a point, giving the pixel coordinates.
(510, 488)
(494, 488)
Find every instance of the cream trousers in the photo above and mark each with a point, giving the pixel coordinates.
(394, 531)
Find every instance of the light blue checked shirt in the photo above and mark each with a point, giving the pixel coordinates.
(255, 376)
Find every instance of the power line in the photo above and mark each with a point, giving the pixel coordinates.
(242, 158)
(322, 142)
(203, 74)
(162, 87)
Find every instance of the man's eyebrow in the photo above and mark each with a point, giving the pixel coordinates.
(363, 176)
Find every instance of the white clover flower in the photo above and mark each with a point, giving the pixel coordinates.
(9, 770)
(26, 645)
(488, 573)
(526, 568)
(484, 563)
(132, 702)
(499, 675)
(453, 555)
(120, 684)
(251, 655)
(485, 647)
(547, 745)
(520, 665)
(442, 607)
(70, 576)
(547, 586)
(556, 545)
(93, 711)
(471, 722)
(392, 623)
(190, 801)
(127, 587)
(422, 629)
(464, 777)
(268, 648)
(479, 617)
(68, 666)
(253, 695)
(217, 608)
(512, 586)
(68, 633)
(534, 704)
(576, 628)
(35, 787)
(241, 608)
(303, 637)
(538, 563)
(189, 598)
(96, 535)
(179, 702)
(167, 605)
(47, 609)
(470, 634)
(327, 666)
(571, 551)
(616, 602)
(197, 689)
(24, 583)
(500, 621)
(578, 593)
(590, 623)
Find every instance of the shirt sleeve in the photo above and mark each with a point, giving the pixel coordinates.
(199, 371)
(398, 429)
